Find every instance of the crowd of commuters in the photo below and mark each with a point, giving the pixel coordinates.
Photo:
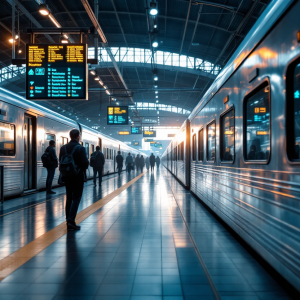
(73, 163)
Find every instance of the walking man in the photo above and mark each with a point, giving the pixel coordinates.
(51, 165)
(129, 162)
(97, 162)
(73, 165)
(152, 161)
(119, 160)
(157, 160)
(142, 163)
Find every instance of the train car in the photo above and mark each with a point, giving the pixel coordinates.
(245, 140)
(25, 131)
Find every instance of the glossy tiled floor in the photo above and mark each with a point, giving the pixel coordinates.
(137, 247)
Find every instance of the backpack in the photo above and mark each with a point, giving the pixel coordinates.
(46, 159)
(67, 165)
(93, 160)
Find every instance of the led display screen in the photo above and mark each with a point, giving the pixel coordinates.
(117, 115)
(135, 143)
(56, 71)
(124, 132)
(148, 140)
(149, 133)
(136, 130)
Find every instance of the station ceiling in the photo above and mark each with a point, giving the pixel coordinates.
(205, 30)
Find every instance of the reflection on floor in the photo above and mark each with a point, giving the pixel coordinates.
(135, 247)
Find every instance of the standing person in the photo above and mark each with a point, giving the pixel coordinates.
(119, 160)
(142, 163)
(152, 161)
(50, 162)
(73, 165)
(129, 162)
(97, 162)
(137, 162)
(147, 162)
(157, 160)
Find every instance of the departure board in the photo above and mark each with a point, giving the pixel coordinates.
(117, 115)
(136, 130)
(56, 71)
(151, 133)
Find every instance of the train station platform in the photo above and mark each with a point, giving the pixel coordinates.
(143, 237)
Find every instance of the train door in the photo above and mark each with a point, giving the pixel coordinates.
(29, 134)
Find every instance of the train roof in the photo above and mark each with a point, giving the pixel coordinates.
(19, 101)
(262, 26)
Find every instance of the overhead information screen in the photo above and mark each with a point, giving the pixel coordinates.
(136, 130)
(117, 115)
(56, 71)
(151, 133)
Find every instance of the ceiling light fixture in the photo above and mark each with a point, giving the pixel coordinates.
(93, 72)
(155, 77)
(12, 40)
(155, 86)
(157, 101)
(154, 26)
(44, 10)
(64, 40)
(153, 10)
(156, 96)
(155, 44)
(156, 92)
(96, 78)
(107, 92)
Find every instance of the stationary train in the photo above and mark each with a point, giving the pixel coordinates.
(238, 151)
(25, 130)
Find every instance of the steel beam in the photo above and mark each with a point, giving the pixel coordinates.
(29, 16)
(104, 40)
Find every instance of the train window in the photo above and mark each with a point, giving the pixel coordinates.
(7, 139)
(227, 136)
(194, 147)
(258, 124)
(50, 137)
(87, 149)
(200, 145)
(293, 108)
(211, 141)
(92, 149)
(64, 140)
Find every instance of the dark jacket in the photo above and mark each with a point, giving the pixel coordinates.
(53, 156)
(152, 160)
(142, 162)
(157, 160)
(119, 159)
(100, 160)
(79, 157)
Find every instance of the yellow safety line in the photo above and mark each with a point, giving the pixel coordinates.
(15, 260)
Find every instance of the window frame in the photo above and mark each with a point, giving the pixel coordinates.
(264, 83)
(201, 129)
(231, 108)
(194, 149)
(290, 106)
(206, 128)
(15, 136)
(62, 140)
(87, 152)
